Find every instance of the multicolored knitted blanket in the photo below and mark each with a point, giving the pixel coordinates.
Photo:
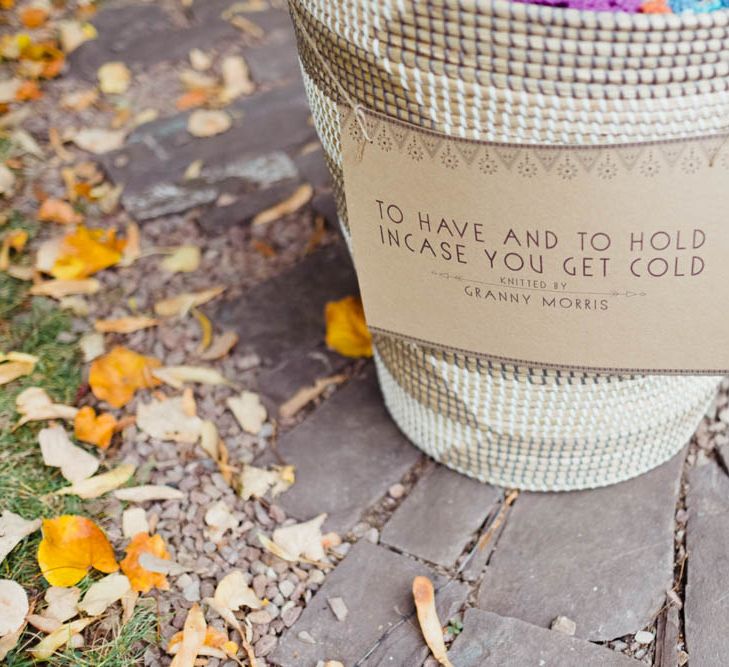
(636, 6)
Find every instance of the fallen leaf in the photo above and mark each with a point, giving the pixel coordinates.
(85, 251)
(147, 492)
(14, 607)
(71, 545)
(94, 429)
(143, 580)
(33, 16)
(231, 594)
(300, 196)
(193, 171)
(217, 644)
(58, 289)
(182, 303)
(248, 410)
(193, 638)
(208, 123)
(176, 376)
(220, 520)
(220, 346)
(59, 211)
(58, 451)
(184, 259)
(34, 404)
(247, 27)
(8, 90)
(256, 482)
(428, 619)
(93, 487)
(104, 593)
(206, 330)
(161, 565)
(125, 325)
(114, 78)
(305, 395)
(44, 623)
(116, 376)
(236, 79)
(50, 644)
(7, 181)
(167, 420)
(128, 602)
(301, 539)
(346, 329)
(14, 240)
(132, 250)
(134, 520)
(79, 100)
(98, 140)
(14, 365)
(73, 34)
(62, 603)
(209, 439)
(13, 529)
(92, 346)
(200, 60)
(9, 642)
(28, 91)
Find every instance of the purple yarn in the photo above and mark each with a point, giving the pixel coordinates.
(632, 6)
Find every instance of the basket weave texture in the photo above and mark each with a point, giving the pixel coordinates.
(525, 74)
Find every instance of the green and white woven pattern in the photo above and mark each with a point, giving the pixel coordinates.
(516, 73)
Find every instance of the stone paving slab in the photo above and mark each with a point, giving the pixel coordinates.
(706, 606)
(439, 517)
(489, 640)
(282, 321)
(347, 454)
(603, 558)
(376, 587)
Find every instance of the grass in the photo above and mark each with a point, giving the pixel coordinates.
(33, 325)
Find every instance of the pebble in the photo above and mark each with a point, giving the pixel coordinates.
(372, 535)
(619, 646)
(264, 646)
(639, 654)
(191, 592)
(360, 530)
(286, 587)
(644, 637)
(396, 491)
(339, 608)
(290, 616)
(260, 617)
(316, 577)
(564, 625)
(683, 658)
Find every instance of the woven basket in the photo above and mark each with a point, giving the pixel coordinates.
(517, 73)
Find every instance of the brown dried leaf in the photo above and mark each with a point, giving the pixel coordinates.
(182, 303)
(193, 638)
(307, 394)
(57, 289)
(221, 346)
(299, 198)
(428, 619)
(13, 529)
(125, 325)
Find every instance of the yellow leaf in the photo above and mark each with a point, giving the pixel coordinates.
(93, 487)
(206, 329)
(50, 644)
(207, 123)
(184, 259)
(346, 329)
(193, 638)
(71, 545)
(58, 289)
(143, 580)
(114, 78)
(59, 211)
(85, 251)
(117, 375)
(428, 619)
(182, 303)
(94, 429)
(14, 240)
(14, 365)
(300, 196)
(125, 325)
(176, 376)
(33, 404)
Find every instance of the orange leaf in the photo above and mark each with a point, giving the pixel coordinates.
(33, 17)
(57, 210)
(117, 375)
(85, 251)
(192, 99)
(94, 429)
(70, 546)
(143, 580)
(28, 90)
(347, 331)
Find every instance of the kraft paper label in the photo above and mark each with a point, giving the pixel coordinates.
(610, 258)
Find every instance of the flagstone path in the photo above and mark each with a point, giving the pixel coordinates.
(639, 568)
